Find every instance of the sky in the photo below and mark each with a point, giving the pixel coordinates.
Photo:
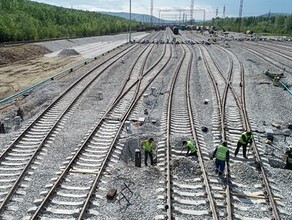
(250, 7)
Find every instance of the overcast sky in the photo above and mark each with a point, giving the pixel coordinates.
(250, 7)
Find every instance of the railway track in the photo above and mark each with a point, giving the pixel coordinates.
(90, 161)
(285, 48)
(269, 58)
(21, 153)
(19, 157)
(231, 132)
(184, 198)
(190, 188)
(223, 123)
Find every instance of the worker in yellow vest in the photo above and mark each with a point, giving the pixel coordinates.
(221, 153)
(245, 138)
(147, 146)
(192, 150)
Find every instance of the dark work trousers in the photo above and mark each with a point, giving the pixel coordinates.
(219, 166)
(146, 157)
(243, 148)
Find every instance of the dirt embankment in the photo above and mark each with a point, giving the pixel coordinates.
(25, 65)
(12, 54)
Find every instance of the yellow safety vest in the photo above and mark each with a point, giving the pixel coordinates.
(191, 146)
(147, 145)
(221, 152)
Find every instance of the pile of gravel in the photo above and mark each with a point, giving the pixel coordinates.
(244, 172)
(185, 167)
(68, 52)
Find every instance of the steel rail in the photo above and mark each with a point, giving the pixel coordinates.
(4, 154)
(147, 71)
(128, 77)
(139, 81)
(214, 82)
(223, 132)
(264, 178)
(66, 170)
(282, 83)
(222, 104)
(272, 50)
(246, 125)
(32, 87)
(130, 108)
(168, 154)
(122, 93)
(58, 181)
(267, 60)
(35, 154)
(194, 133)
(242, 108)
(59, 98)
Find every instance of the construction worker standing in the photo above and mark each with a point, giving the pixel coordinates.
(245, 138)
(221, 153)
(192, 150)
(288, 156)
(148, 147)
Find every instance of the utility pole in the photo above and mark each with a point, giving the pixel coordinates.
(130, 28)
(240, 14)
(192, 12)
(223, 16)
(151, 13)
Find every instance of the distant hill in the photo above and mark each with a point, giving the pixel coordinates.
(147, 18)
(137, 17)
(23, 20)
(274, 14)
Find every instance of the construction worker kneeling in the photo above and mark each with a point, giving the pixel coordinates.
(192, 149)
